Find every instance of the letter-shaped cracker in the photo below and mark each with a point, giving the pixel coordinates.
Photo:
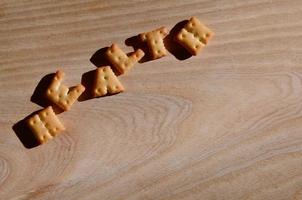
(120, 60)
(194, 36)
(60, 94)
(155, 41)
(45, 125)
(106, 82)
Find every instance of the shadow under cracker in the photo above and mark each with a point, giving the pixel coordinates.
(136, 43)
(24, 133)
(38, 96)
(178, 51)
(99, 60)
(87, 81)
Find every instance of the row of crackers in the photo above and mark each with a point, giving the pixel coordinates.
(45, 124)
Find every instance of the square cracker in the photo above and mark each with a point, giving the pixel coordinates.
(194, 36)
(45, 125)
(155, 42)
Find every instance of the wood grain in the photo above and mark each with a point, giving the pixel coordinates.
(226, 124)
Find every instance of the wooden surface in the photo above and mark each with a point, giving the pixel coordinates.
(226, 124)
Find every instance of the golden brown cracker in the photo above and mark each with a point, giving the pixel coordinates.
(194, 36)
(45, 125)
(106, 82)
(155, 42)
(120, 60)
(60, 94)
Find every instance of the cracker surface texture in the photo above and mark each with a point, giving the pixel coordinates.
(45, 125)
(106, 82)
(60, 94)
(155, 42)
(194, 36)
(120, 60)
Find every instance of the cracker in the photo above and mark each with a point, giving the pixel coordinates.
(45, 125)
(106, 82)
(194, 36)
(120, 60)
(60, 94)
(155, 42)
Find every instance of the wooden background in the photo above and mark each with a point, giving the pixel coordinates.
(226, 124)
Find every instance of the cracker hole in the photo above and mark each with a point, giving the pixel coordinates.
(105, 77)
(104, 70)
(158, 52)
(99, 90)
(197, 46)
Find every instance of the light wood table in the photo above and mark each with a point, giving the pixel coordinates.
(226, 124)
